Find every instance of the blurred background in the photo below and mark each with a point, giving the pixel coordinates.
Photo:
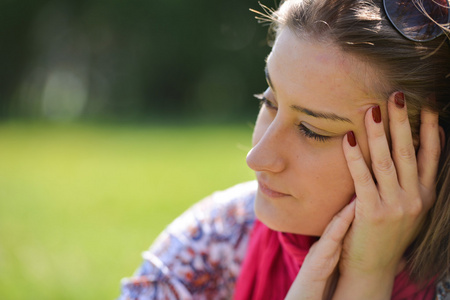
(115, 117)
(129, 60)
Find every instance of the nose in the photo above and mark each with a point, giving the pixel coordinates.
(267, 153)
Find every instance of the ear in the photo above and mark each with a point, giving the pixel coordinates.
(442, 137)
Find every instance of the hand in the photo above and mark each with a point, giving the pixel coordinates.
(389, 211)
(317, 277)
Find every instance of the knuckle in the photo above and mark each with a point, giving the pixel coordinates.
(434, 153)
(336, 240)
(412, 210)
(407, 153)
(332, 236)
(397, 212)
(430, 123)
(384, 165)
(394, 211)
(364, 179)
(403, 119)
(415, 207)
(353, 157)
(379, 134)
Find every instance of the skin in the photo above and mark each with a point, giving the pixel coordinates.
(306, 184)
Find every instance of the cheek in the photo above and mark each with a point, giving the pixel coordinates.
(326, 173)
(323, 186)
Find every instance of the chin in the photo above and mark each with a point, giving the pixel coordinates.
(269, 216)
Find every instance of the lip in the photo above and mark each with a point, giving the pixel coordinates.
(269, 192)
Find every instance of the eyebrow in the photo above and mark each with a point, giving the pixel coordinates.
(315, 114)
(321, 115)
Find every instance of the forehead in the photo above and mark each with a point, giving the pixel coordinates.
(319, 72)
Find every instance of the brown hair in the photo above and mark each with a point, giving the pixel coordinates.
(420, 70)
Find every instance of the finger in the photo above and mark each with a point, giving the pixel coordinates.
(365, 186)
(429, 148)
(334, 233)
(403, 151)
(324, 254)
(382, 164)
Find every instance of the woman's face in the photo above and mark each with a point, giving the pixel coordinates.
(316, 95)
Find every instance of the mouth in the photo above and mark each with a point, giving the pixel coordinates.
(266, 190)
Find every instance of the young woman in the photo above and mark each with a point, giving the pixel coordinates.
(349, 146)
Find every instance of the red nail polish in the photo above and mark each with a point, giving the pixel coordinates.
(399, 99)
(351, 138)
(376, 114)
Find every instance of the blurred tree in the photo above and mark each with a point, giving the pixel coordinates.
(65, 59)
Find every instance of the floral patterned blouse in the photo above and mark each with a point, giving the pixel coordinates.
(199, 255)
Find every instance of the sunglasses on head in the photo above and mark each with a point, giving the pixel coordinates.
(418, 20)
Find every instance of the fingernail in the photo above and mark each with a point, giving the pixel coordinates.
(399, 99)
(376, 114)
(351, 138)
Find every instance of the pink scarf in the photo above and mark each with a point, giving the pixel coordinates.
(274, 258)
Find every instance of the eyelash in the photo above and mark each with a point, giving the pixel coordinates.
(311, 134)
(264, 101)
(303, 129)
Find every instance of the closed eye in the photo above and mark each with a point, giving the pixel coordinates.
(311, 134)
(308, 133)
(266, 102)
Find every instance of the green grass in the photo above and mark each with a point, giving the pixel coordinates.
(79, 203)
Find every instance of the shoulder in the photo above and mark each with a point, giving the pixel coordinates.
(218, 213)
(216, 226)
(231, 206)
(200, 253)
